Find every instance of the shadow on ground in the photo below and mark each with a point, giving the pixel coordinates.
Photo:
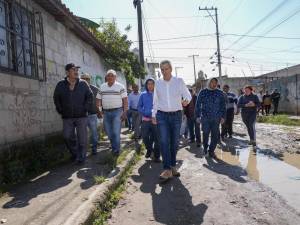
(172, 205)
(59, 178)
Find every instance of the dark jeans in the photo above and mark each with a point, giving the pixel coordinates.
(169, 133)
(267, 109)
(136, 123)
(129, 120)
(112, 125)
(150, 138)
(249, 120)
(210, 127)
(275, 104)
(194, 129)
(227, 126)
(75, 135)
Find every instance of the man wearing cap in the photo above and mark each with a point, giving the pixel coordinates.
(170, 94)
(73, 100)
(112, 101)
(211, 110)
(92, 117)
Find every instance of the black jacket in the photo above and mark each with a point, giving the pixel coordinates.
(95, 91)
(73, 104)
(245, 99)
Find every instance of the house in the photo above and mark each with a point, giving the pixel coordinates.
(37, 38)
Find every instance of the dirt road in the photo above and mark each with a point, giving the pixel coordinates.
(208, 191)
(276, 138)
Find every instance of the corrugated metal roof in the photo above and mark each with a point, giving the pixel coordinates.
(64, 15)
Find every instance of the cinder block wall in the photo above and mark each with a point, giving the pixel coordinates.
(26, 105)
(289, 87)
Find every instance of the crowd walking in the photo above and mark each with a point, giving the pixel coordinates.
(156, 114)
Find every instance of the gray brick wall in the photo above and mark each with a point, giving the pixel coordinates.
(26, 105)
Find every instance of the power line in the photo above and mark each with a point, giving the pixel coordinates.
(260, 22)
(233, 11)
(182, 37)
(271, 29)
(146, 18)
(223, 35)
(249, 51)
(151, 52)
(263, 36)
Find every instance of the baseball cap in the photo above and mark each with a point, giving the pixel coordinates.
(85, 76)
(70, 66)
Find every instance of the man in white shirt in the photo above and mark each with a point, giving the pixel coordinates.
(170, 95)
(113, 103)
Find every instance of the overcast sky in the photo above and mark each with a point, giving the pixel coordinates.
(268, 31)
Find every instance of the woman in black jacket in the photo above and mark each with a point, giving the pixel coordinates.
(249, 103)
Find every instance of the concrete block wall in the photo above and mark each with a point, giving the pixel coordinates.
(289, 87)
(26, 105)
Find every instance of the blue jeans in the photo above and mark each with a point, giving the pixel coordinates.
(129, 120)
(169, 133)
(194, 129)
(75, 135)
(150, 138)
(210, 127)
(112, 125)
(92, 124)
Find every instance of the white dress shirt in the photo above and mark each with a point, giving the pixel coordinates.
(168, 95)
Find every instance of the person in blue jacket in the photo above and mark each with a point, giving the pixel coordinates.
(211, 110)
(149, 130)
(249, 103)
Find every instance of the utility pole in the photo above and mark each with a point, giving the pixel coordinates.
(194, 66)
(137, 5)
(217, 34)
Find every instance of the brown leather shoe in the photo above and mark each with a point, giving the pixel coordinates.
(166, 174)
(175, 173)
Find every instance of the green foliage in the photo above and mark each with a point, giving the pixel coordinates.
(122, 156)
(19, 163)
(119, 55)
(99, 179)
(103, 212)
(279, 119)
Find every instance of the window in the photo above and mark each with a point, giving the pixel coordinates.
(21, 40)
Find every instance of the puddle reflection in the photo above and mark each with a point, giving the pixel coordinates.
(281, 173)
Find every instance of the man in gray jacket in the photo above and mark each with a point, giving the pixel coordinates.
(73, 100)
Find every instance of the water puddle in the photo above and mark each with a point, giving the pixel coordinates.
(281, 173)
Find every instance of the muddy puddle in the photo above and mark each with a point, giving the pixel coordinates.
(279, 172)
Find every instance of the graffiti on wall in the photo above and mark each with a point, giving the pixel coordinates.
(25, 114)
(97, 80)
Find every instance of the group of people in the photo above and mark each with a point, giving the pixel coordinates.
(156, 114)
(267, 100)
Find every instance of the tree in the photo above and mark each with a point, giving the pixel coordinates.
(119, 55)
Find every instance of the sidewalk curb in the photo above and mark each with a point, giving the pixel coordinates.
(85, 211)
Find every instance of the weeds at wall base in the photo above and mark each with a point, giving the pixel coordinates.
(19, 163)
(280, 119)
(103, 212)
